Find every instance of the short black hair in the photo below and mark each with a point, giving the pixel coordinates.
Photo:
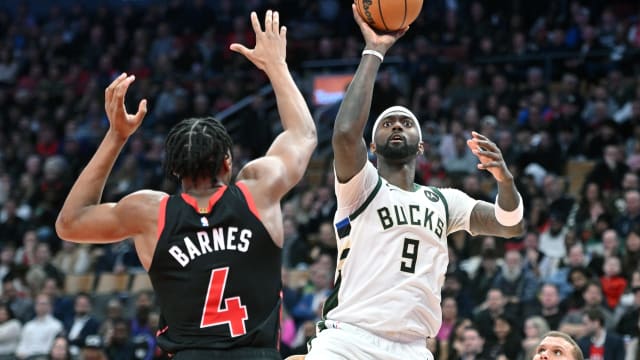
(196, 147)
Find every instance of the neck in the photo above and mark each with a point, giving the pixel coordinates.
(401, 175)
(201, 187)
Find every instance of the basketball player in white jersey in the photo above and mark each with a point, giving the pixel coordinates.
(392, 233)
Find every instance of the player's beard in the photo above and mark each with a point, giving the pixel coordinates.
(396, 151)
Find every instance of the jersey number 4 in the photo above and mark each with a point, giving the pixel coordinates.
(409, 255)
(234, 314)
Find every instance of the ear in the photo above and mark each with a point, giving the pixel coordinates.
(372, 147)
(421, 148)
(227, 163)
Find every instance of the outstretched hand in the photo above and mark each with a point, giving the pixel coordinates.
(380, 42)
(271, 43)
(490, 157)
(121, 122)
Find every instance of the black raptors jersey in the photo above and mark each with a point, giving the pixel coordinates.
(216, 273)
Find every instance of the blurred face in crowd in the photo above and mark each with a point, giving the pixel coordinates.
(549, 297)
(592, 295)
(82, 306)
(449, 309)
(472, 342)
(43, 305)
(495, 300)
(60, 349)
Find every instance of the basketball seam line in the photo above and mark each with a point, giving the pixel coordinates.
(404, 19)
(382, 16)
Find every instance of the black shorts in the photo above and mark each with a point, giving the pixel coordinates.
(231, 354)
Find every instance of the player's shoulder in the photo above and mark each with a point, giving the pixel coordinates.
(144, 197)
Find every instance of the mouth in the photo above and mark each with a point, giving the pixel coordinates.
(396, 138)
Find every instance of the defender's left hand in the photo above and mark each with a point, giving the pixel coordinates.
(490, 157)
(271, 43)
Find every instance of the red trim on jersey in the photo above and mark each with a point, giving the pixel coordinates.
(212, 200)
(162, 214)
(162, 331)
(280, 327)
(249, 198)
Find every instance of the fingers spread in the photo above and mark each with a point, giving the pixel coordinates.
(276, 22)
(268, 22)
(239, 48)
(121, 91)
(255, 23)
(108, 92)
(142, 110)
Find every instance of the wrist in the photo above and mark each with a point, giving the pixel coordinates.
(116, 136)
(509, 217)
(375, 53)
(276, 68)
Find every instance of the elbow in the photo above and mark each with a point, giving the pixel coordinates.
(63, 227)
(517, 230)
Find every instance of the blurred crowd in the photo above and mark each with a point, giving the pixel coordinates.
(556, 84)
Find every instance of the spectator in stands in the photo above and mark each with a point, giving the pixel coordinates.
(37, 335)
(559, 276)
(573, 323)
(518, 284)
(631, 257)
(60, 349)
(506, 333)
(613, 282)
(93, 349)
(73, 258)
(627, 325)
(598, 342)
(82, 324)
(547, 305)
(610, 168)
(578, 277)
(630, 217)
(20, 304)
(495, 305)
(449, 317)
(609, 246)
(534, 328)
(309, 307)
(118, 344)
(472, 345)
(10, 329)
(12, 227)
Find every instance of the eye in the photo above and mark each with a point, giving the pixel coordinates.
(386, 123)
(407, 123)
(557, 352)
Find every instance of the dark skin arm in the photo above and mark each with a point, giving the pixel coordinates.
(483, 220)
(349, 148)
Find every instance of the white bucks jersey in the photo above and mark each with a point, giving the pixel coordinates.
(392, 255)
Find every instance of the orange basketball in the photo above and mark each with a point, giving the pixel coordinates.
(389, 15)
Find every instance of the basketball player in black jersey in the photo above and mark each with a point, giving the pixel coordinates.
(213, 251)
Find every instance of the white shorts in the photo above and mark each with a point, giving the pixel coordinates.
(342, 341)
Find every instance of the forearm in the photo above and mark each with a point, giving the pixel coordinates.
(354, 111)
(508, 196)
(293, 109)
(88, 188)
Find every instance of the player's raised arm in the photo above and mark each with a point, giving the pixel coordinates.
(288, 156)
(82, 217)
(505, 217)
(349, 148)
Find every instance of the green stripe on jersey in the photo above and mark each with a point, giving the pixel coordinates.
(332, 299)
(444, 201)
(368, 201)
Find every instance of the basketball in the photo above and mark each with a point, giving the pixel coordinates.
(389, 15)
